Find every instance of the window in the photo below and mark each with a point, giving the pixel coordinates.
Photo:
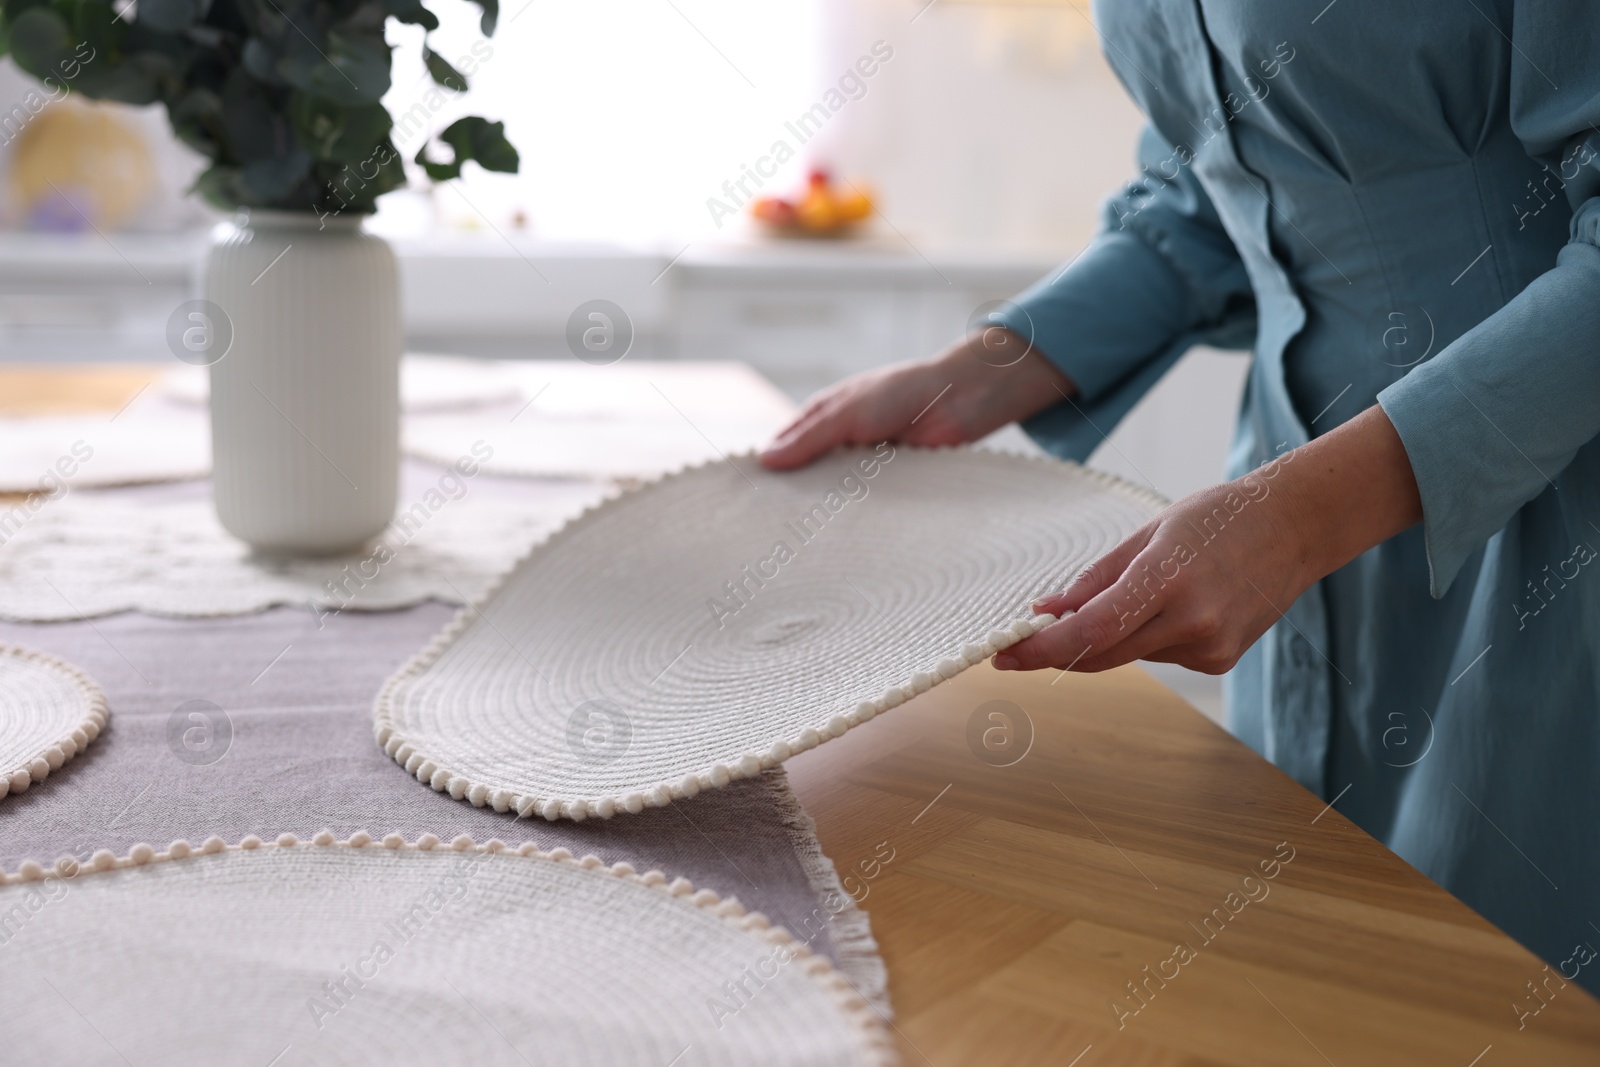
(628, 114)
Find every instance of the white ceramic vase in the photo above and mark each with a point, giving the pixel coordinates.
(305, 403)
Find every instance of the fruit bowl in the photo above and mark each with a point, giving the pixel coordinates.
(821, 211)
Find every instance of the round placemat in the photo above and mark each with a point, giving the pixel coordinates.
(713, 623)
(49, 712)
(390, 952)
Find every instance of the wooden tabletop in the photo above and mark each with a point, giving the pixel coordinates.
(1082, 869)
(1022, 900)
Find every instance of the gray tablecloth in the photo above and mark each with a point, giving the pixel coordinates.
(302, 758)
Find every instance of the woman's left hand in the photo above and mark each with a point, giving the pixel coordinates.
(1194, 586)
(1202, 581)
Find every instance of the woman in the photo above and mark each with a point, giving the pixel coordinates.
(1398, 213)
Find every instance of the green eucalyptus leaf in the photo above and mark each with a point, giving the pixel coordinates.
(136, 79)
(265, 18)
(236, 18)
(443, 73)
(412, 11)
(276, 18)
(332, 132)
(439, 172)
(219, 185)
(491, 16)
(199, 105)
(272, 179)
(298, 59)
(164, 67)
(82, 56)
(365, 129)
(318, 122)
(260, 57)
(472, 138)
(368, 17)
(488, 141)
(206, 37)
(356, 186)
(99, 32)
(11, 10)
(349, 70)
(197, 120)
(170, 16)
(39, 40)
(250, 123)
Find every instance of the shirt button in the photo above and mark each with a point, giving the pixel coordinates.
(1300, 651)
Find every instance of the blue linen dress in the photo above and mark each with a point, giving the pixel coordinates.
(1394, 205)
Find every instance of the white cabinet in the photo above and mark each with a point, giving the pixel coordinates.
(808, 315)
(84, 298)
(799, 339)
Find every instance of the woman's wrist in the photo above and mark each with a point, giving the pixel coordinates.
(1345, 492)
(1007, 373)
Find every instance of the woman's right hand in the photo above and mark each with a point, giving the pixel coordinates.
(966, 392)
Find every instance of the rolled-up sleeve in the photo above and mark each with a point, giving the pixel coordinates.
(1160, 276)
(1492, 420)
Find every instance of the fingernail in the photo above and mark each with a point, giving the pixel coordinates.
(1005, 662)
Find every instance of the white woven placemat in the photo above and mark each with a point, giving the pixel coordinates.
(143, 444)
(49, 712)
(90, 555)
(396, 953)
(715, 622)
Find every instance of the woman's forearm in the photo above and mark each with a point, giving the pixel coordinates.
(1352, 488)
(1328, 502)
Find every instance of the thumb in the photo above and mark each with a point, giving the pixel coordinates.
(1097, 576)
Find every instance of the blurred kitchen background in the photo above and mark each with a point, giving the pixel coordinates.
(986, 136)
